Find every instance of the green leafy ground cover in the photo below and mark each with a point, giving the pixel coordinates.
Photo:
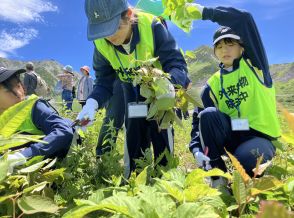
(83, 186)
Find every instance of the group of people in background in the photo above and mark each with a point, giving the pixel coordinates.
(67, 85)
(239, 108)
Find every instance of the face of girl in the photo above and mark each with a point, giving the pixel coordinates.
(85, 73)
(123, 33)
(227, 52)
(8, 99)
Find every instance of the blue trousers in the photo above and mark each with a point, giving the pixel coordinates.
(67, 97)
(246, 146)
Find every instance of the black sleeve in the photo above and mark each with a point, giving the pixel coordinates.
(195, 137)
(244, 25)
(206, 97)
(105, 77)
(170, 56)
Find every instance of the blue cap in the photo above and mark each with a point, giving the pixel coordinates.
(103, 17)
(68, 68)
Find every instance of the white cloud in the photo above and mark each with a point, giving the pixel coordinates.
(23, 11)
(15, 39)
(3, 54)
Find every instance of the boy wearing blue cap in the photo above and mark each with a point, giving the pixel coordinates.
(240, 108)
(122, 35)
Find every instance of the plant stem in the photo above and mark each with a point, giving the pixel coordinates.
(13, 206)
(20, 215)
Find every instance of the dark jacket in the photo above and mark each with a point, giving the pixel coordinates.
(30, 82)
(165, 48)
(57, 130)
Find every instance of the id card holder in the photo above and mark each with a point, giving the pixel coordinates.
(137, 110)
(239, 124)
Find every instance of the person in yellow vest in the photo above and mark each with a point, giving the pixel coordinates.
(40, 119)
(239, 112)
(122, 35)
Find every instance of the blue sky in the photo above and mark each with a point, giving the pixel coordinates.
(56, 29)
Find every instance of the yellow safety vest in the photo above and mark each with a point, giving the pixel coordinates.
(256, 102)
(125, 64)
(23, 109)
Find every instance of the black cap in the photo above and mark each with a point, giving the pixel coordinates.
(6, 74)
(224, 32)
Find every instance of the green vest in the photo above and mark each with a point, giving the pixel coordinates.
(144, 50)
(22, 111)
(256, 102)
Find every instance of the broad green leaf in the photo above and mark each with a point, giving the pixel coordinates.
(193, 193)
(34, 160)
(34, 167)
(172, 189)
(197, 176)
(51, 176)
(146, 92)
(239, 189)
(97, 196)
(232, 207)
(194, 210)
(17, 140)
(129, 204)
(35, 188)
(141, 179)
(175, 175)
(152, 111)
(265, 183)
(217, 203)
(4, 198)
(12, 118)
(167, 119)
(36, 204)
(4, 165)
(192, 100)
(81, 211)
(289, 185)
(150, 199)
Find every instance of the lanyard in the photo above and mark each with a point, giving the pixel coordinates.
(126, 72)
(227, 96)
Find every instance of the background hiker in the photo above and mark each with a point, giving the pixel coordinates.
(67, 84)
(30, 79)
(85, 85)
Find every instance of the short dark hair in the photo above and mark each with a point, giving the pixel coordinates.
(11, 82)
(30, 66)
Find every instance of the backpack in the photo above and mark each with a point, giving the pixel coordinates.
(42, 87)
